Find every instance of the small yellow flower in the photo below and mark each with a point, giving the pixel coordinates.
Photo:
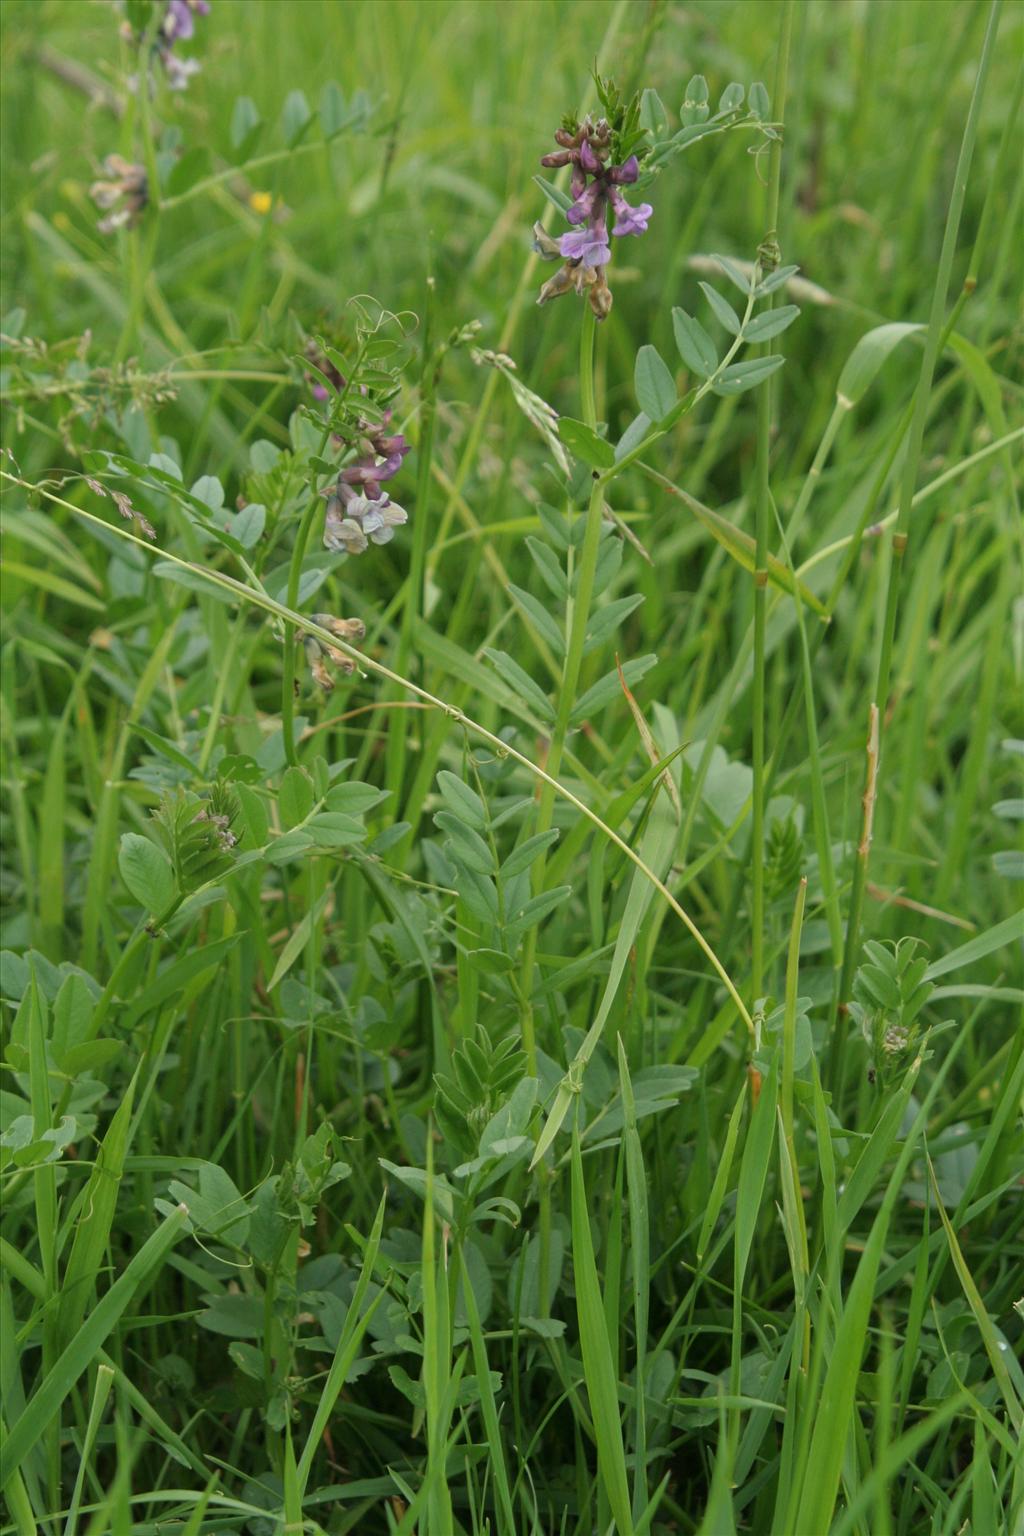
(261, 202)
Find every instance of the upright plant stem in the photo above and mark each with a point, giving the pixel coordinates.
(901, 532)
(578, 612)
(294, 577)
(769, 257)
(606, 53)
(415, 589)
(577, 616)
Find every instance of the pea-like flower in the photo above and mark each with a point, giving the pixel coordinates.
(177, 25)
(353, 521)
(178, 22)
(124, 192)
(596, 187)
(359, 510)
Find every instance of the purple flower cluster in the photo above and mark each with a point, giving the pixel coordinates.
(122, 194)
(596, 188)
(177, 25)
(359, 510)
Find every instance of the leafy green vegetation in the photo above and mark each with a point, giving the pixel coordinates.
(511, 876)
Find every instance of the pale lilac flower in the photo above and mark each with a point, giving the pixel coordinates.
(178, 23)
(381, 519)
(586, 203)
(590, 246)
(122, 195)
(353, 521)
(179, 71)
(630, 221)
(359, 510)
(342, 534)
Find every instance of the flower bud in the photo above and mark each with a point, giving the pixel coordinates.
(600, 296)
(562, 282)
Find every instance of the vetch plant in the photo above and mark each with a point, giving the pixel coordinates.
(604, 156)
(511, 971)
(155, 30)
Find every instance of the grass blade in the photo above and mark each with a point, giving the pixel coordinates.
(598, 1370)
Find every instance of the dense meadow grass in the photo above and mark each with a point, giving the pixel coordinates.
(515, 1027)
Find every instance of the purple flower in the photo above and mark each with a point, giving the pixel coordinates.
(589, 246)
(630, 221)
(625, 173)
(595, 184)
(177, 25)
(353, 520)
(178, 22)
(588, 160)
(587, 204)
(371, 470)
(359, 510)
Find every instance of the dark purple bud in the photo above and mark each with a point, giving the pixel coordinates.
(588, 160)
(392, 445)
(560, 157)
(626, 173)
(391, 465)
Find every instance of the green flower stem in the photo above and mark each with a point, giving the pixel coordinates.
(911, 465)
(415, 589)
(577, 617)
(294, 577)
(768, 254)
(142, 242)
(605, 56)
(288, 671)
